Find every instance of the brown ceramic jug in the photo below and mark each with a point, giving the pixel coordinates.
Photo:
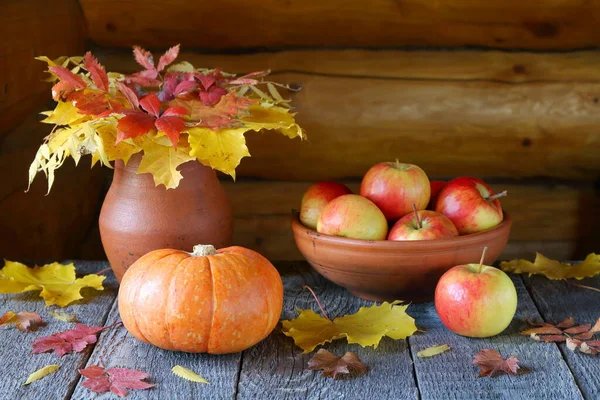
(138, 217)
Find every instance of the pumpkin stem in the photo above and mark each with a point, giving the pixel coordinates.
(202, 250)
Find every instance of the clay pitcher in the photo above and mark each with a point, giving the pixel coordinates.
(138, 217)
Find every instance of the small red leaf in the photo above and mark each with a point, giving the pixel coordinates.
(96, 70)
(185, 86)
(167, 58)
(66, 75)
(94, 103)
(594, 343)
(143, 81)
(74, 340)
(117, 380)
(172, 127)
(578, 329)
(133, 125)
(212, 96)
(143, 57)
(129, 95)
(491, 361)
(151, 104)
(177, 110)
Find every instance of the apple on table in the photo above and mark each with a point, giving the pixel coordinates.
(353, 216)
(316, 197)
(394, 187)
(470, 204)
(422, 225)
(475, 300)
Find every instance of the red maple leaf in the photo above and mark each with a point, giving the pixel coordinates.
(148, 77)
(138, 123)
(96, 70)
(117, 380)
(491, 361)
(74, 340)
(69, 82)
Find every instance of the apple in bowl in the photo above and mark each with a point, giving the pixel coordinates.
(394, 187)
(422, 225)
(316, 197)
(470, 204)
(353, 216)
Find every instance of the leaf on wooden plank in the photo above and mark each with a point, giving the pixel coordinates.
(433, 351)
(564, 331)
(24, 321)
(188, 374)
(332, 365)
(490, 361)
(41, 373)
(553, 269)
(73, 340)
(61, 316)
(365, 327)
(543, 330)
(117, 380)
(58, 283)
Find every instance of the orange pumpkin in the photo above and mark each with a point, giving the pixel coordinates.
(209, 301)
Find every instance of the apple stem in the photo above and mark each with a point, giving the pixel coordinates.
(582, 286)
(485, 249)
(419, 223)
(318, 302)
(497, 196)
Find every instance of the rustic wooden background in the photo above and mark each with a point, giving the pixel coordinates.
(506, 91)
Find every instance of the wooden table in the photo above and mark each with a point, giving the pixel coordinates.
(276, 369)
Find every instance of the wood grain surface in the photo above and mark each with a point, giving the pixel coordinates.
(556, 24)
(513, 119)
(16, 357)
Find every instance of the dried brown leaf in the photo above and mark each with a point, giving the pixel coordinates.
(578, 329)
(543, 330)
(553, 338)
(567, 323)
(491, 361)
(332, 365)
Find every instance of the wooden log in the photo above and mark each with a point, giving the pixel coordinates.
(16, 346)
(383, 23)
(557, 301)
(452, 372)
(29, 29)
(488, 123)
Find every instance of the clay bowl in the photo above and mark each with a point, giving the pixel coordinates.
(383, 270)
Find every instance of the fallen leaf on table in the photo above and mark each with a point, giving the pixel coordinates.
(117, 380)
(74, 340)
(58, 283)
(433, 351)
(566, 331)
(188, 374)
(61, 316)
(332, 365)
(491, 361)
(553, 269)
(41, 373)
(365, 327)
(23, 321)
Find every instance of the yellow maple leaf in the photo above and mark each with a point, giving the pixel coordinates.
(274, 118)
(222, 150)
(65, 113)
(553, 269)
(122, 150)
(58, 283)
(365, 327)
(162, 162)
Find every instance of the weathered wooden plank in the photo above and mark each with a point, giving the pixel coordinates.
(556, 301)
(452, 376)
(556, 24)
(117, 348)
(16, 357)
(25, 30)
(447, 124)
(275, 368)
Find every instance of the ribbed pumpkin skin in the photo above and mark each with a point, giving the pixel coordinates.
(222, 303)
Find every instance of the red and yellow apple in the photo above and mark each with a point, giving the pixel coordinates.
(395, 187)
(422, 225)
(353, 216)
(316, 198)
(436, 187)
(470, 204)
(475, 300)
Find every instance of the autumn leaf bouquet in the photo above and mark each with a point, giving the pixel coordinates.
(169, 112)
